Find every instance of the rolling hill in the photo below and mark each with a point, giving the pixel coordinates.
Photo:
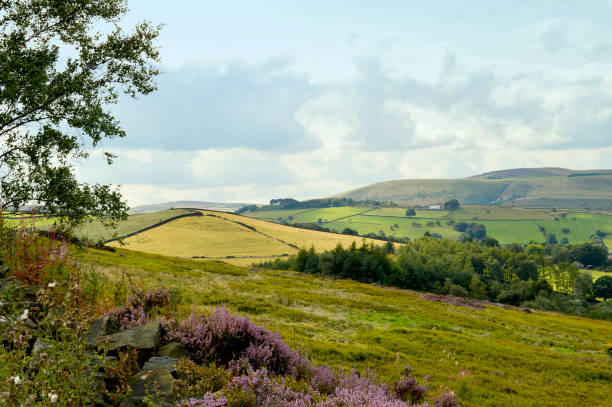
(217, 206)
(522, 187)
(506, 224)
(232, 238)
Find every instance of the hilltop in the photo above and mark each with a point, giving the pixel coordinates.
(217, 206)
(522, 187)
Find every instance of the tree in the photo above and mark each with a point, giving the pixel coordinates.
(477, 289)
(583, 287)
(602, 287)
(589, 253)
(58, 76)
(410, 212)
(451, 205)
(477, 231)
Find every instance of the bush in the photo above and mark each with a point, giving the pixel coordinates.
(458, 291)
(408, 389)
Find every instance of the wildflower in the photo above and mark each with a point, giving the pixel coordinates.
(24, 315)
(52, 284)
(53, 398)
(2, 320)
(17, 380)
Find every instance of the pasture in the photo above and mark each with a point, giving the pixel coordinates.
(26, 220)
(489, 356)
(233, 238)
(506, 224)
(95, 231)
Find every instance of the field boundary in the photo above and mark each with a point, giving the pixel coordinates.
(163, 222)
(460, 220)
(252, 228)
(350, 216)
(275, 210)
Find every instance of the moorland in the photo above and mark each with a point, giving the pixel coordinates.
(487, 354)
(522, 187)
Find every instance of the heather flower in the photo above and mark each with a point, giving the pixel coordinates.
(408, 389)
(208, 400)
(447, 399)
(324, 379)
(268, 391)
(265, 371)
(222, 338)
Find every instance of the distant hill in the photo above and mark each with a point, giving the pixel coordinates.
(523, 187)
(217, 206)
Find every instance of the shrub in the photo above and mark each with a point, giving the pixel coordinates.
(408, 389)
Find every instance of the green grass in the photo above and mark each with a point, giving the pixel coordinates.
(401, 212)
(329, 214)
(581, 226)
(513, 231)
(307, 215)
(499, 213)
(374, 224)
(26, 220)
(506, 224)
(277, 215)
(513, 358)
(596, 274)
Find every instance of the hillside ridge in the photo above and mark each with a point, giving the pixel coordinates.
(547, 187)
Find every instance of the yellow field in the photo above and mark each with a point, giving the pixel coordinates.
(231, 238)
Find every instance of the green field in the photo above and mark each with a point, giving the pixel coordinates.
(401, 212)
(513, 231)
(309, 215)
(275, 216)
(477, 212)
(512, 358)
(507, 225)
(26, 220)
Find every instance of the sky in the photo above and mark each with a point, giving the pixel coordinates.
(306, 99)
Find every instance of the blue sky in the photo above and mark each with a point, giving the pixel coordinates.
(260, 100)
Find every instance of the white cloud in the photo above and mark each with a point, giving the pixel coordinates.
(248, 132)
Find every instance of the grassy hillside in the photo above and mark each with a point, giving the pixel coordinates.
(233, 238)
(511, 358)
(524, 187)
(96, 231)
(25, 220)
(506, 224)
